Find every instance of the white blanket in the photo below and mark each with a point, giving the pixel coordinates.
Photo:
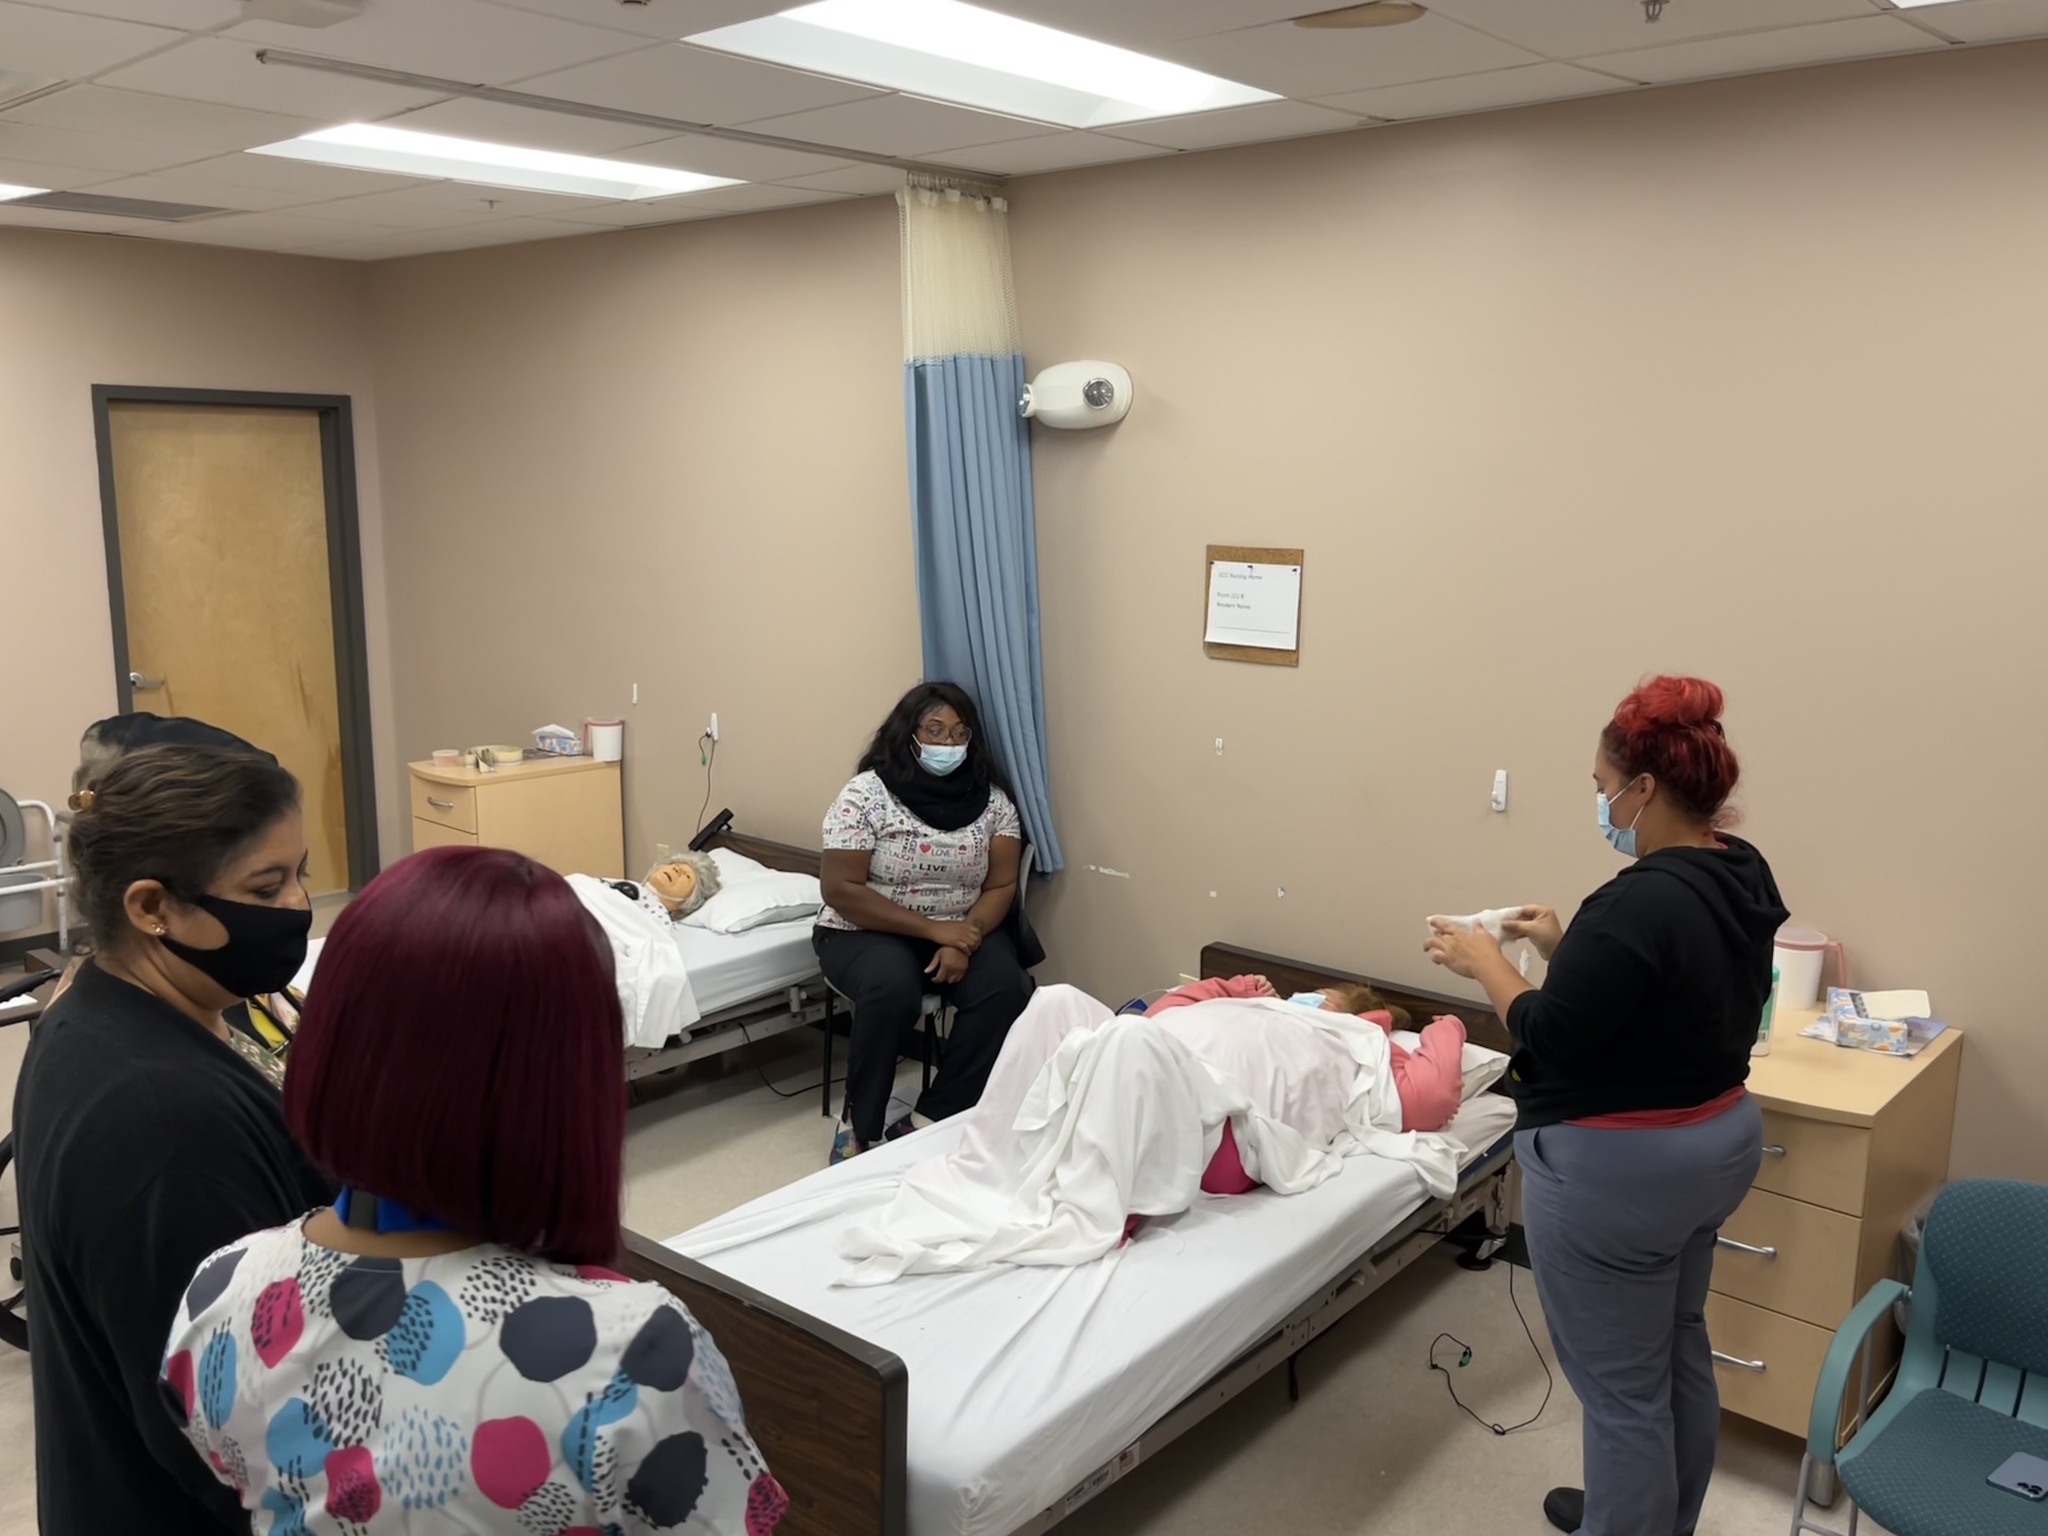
(1089, 1119)
(653, 982)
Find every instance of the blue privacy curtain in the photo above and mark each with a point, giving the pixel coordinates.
(970, 480)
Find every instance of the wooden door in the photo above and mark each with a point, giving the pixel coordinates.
(220, 515)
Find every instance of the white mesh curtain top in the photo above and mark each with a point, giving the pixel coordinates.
(959, 294)
(970, 480)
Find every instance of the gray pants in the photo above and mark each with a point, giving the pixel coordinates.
(1621, 1229)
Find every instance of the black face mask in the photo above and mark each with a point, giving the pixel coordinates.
(265, 947)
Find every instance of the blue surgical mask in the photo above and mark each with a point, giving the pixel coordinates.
(940, 760)
(1307, 999)
(1623, 838)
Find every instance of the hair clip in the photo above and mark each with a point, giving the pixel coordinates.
(82, 800)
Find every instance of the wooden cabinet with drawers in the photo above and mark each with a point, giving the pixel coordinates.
(564, 812)
(1852, 1141)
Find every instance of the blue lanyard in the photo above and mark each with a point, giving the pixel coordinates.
(372, 1213)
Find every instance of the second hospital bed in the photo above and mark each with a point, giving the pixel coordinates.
(997, 1402)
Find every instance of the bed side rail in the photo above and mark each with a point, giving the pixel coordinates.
(829, 1411)
(1482, 1024)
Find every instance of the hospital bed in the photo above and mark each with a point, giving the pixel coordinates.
(752, 985)
(997, 1402)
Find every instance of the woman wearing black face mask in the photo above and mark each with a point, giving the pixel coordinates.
(145, 1138)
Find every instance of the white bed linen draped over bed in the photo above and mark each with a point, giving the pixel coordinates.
(653, 982)
(1089, 1119)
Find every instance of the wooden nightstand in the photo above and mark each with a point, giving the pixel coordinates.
(564, 812)
(1852, 1141)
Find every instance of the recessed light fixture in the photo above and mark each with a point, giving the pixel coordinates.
(375, 147)
(9, 193)
(1374, 13)
(978, 58)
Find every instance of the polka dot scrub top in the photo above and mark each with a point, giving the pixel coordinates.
(476, 1391)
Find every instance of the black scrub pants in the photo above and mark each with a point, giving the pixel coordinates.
(882, 975)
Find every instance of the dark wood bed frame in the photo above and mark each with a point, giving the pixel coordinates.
(831, 1411)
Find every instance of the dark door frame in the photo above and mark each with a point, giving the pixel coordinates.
(344, 579)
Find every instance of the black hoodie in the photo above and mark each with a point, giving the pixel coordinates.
(1654, 997)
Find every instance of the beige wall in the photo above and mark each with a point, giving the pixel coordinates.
(1742, 379)
(671, 457)
(83, 310)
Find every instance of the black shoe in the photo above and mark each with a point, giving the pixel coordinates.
(1565, 1508)
(900, 1129)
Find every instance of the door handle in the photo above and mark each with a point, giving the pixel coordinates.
(1729, 1242)
(441, 805)
(1740, 1365)
(144, 683)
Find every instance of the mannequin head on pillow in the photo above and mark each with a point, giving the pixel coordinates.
(684, 882)
(1356, 997)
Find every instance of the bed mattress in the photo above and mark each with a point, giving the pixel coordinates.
(728, 968)
(1023, 1381)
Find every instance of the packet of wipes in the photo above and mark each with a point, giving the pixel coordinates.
(1889, 1023)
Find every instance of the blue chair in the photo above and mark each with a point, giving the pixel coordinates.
(1972, 1385)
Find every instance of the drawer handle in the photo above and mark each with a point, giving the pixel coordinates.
(1772, 1149)
(441, 805)
(1741, 1365)
(1729, 1242)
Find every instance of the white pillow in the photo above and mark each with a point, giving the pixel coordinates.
(1478, 1071)
(753, 901)
(736, 866)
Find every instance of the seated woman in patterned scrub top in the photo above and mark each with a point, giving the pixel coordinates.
(922, 850)
(444, 1349)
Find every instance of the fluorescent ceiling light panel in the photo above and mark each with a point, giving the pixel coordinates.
(1907, 5)
(375, 147)
(9, 193)
(978, 58)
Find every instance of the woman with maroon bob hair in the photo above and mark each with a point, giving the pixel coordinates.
(1636, 1137)
(445, 1338)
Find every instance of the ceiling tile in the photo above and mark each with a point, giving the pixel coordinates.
(1140, 24)
(1783, 48)
(1479, 93)
(727, 157)
(1064, 152)
(663, 19)
(61, 146)
(181, 187)
(1567, 29)
(317, 181)
(1297, 62)
(655, 210)
(56, 178)
(187, 15)
(1238, 125)
(421, 242)
(1988, 21)
(856, 180)
(203, 127)
(900, 125)
(760, 195)
(283, 232)
(69, 46)
(501, 124)
(213, 69)
(379, 211)
(462, 39)
(694, 86)
(460, 198)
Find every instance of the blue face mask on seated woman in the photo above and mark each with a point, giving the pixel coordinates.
(939, 760)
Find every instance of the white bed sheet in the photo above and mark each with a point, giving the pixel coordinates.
(728, 968)
(1024, 1380)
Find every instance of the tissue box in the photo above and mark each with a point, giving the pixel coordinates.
(557, 741)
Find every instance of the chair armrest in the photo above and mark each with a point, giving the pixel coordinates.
(1834, 1370)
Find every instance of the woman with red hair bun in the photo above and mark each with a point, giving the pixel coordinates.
(444, 1347)
(1636, 1137)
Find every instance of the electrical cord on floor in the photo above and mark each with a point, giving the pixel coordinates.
(1465, 1359)
(707, 754)
(762, 1072)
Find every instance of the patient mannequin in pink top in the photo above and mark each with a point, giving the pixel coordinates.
(1429, 1079)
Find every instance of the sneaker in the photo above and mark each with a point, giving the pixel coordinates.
(1565, 1508)
(844, 1145)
